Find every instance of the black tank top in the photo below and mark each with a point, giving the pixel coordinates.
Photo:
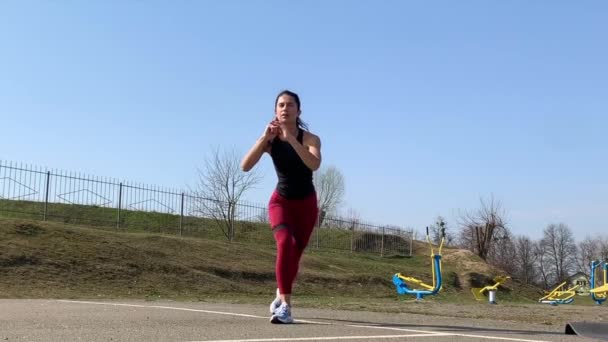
(294, 177)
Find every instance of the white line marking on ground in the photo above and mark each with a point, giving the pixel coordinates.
(393, 328)
(327, 338)
(312, 322)
(499, 338)
(185, 309)
(423, 333)
(165, 307)
(451, 334)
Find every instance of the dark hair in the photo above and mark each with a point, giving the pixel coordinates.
(301, 124)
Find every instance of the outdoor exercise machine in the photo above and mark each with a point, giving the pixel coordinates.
(599, 294)
(401, 281)
(560, 296)
(478, 293)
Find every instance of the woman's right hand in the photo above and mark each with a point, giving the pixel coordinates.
(261, 145)
(272, 130)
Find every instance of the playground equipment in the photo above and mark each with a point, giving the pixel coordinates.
(599, 294)
(401, 281)
(560, 296)
(478, 293)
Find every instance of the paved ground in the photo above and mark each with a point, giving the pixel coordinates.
(65, 320)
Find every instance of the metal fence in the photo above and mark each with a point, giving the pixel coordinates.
(51, 195)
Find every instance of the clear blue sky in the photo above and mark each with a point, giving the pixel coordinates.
(424, 106)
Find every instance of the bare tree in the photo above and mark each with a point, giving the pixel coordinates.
(221, 185)
(603, 247)
(588, 250)
(503, 253)
(525, 258)
(437, 229)
(480, 230)
(560, 248)
(329, 184)
(542, 263)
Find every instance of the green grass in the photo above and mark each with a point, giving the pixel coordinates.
(153, 222)
(80, 253)
(56, 260)
(48, 259)
(108, 218)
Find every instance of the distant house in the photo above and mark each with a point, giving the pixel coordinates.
(582, 280)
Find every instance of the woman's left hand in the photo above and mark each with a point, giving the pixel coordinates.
(284, 134)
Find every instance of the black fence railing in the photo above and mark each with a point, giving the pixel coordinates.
(42, 194)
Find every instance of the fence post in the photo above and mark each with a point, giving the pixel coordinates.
(411, 241)
(181, 215)
(231, 220)
(119, 205)
(382, 244)
(352, 238)
(46, 196)
(318, 228)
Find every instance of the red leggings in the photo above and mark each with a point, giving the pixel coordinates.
(292, 222)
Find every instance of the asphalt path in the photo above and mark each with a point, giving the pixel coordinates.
(94, 321)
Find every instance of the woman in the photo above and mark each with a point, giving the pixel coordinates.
(292, 208)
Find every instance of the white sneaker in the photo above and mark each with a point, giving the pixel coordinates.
(275, 303)
(282, 315)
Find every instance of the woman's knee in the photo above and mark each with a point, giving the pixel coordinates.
(283, 235)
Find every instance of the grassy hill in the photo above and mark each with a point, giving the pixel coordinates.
(250, 229)
(57, 260)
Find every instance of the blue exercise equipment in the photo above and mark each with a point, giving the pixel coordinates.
(401, 281)
(599, 297)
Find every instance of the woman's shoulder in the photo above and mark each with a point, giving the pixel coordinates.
(311, 138)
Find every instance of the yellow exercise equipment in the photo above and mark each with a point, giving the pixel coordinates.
(560, 296)
(478, 293)
(601, 290)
